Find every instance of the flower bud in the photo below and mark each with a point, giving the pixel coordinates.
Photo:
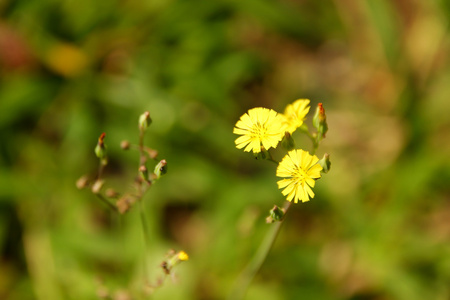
(288, 142)
(143, 172)
(144, 121)
(177, 258)
(82, 182)
(174, 258)
(152, 153)
(183, 256)
(262, 155)
(100, 149)
(160, 169)
(111, 193)
(320, 121)
(97, 186)
(275, 214)
(325, 163)
(125, 145)
(124, 204)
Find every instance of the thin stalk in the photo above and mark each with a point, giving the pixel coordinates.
(271, 158)
(106, 201)
(314, 140)
(146, 235)
(141, 192)
(100, 170)
(244, 280)
(142, 157)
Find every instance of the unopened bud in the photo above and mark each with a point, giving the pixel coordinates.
(97, 186)
(143, 172)
(175, 259)
(325, 163)
(288, 142)
(264, 154)
(82, 182)
(125, 145)
(183, 256)
(111, 193)
(100, 149)
(275, 214)
(320, 121)
(144, 121)
(152, 153)
(160, 169)
(124, 204)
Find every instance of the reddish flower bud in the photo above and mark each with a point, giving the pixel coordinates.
(320, 121)
(100, 149)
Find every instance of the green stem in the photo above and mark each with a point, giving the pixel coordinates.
(141, 192)
(146, 237)
(271, 158)
(101, 167)
(142, 157)
(244, 280)
(106, 201)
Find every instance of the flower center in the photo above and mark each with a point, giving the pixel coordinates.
(299, 174)
(259, 131)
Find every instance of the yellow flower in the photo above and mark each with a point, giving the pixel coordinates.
(301, 168)
(182, 256)
(259, 127)
(295, 114)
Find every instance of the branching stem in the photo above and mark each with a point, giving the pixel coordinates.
(255, 264)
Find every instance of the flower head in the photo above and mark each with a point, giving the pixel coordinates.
(301, 169)
(259, 127)
(295, 114)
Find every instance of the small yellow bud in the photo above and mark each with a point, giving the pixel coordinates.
(174, 259)
(183, 256)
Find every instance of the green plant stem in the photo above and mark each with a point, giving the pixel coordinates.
(271, 158)
(141, 192)
(101, 167)
(146, 234)
(314, 140)
(106, 201)
(244, 280)
(142, 157)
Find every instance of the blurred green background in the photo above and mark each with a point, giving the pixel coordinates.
(379, 226)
